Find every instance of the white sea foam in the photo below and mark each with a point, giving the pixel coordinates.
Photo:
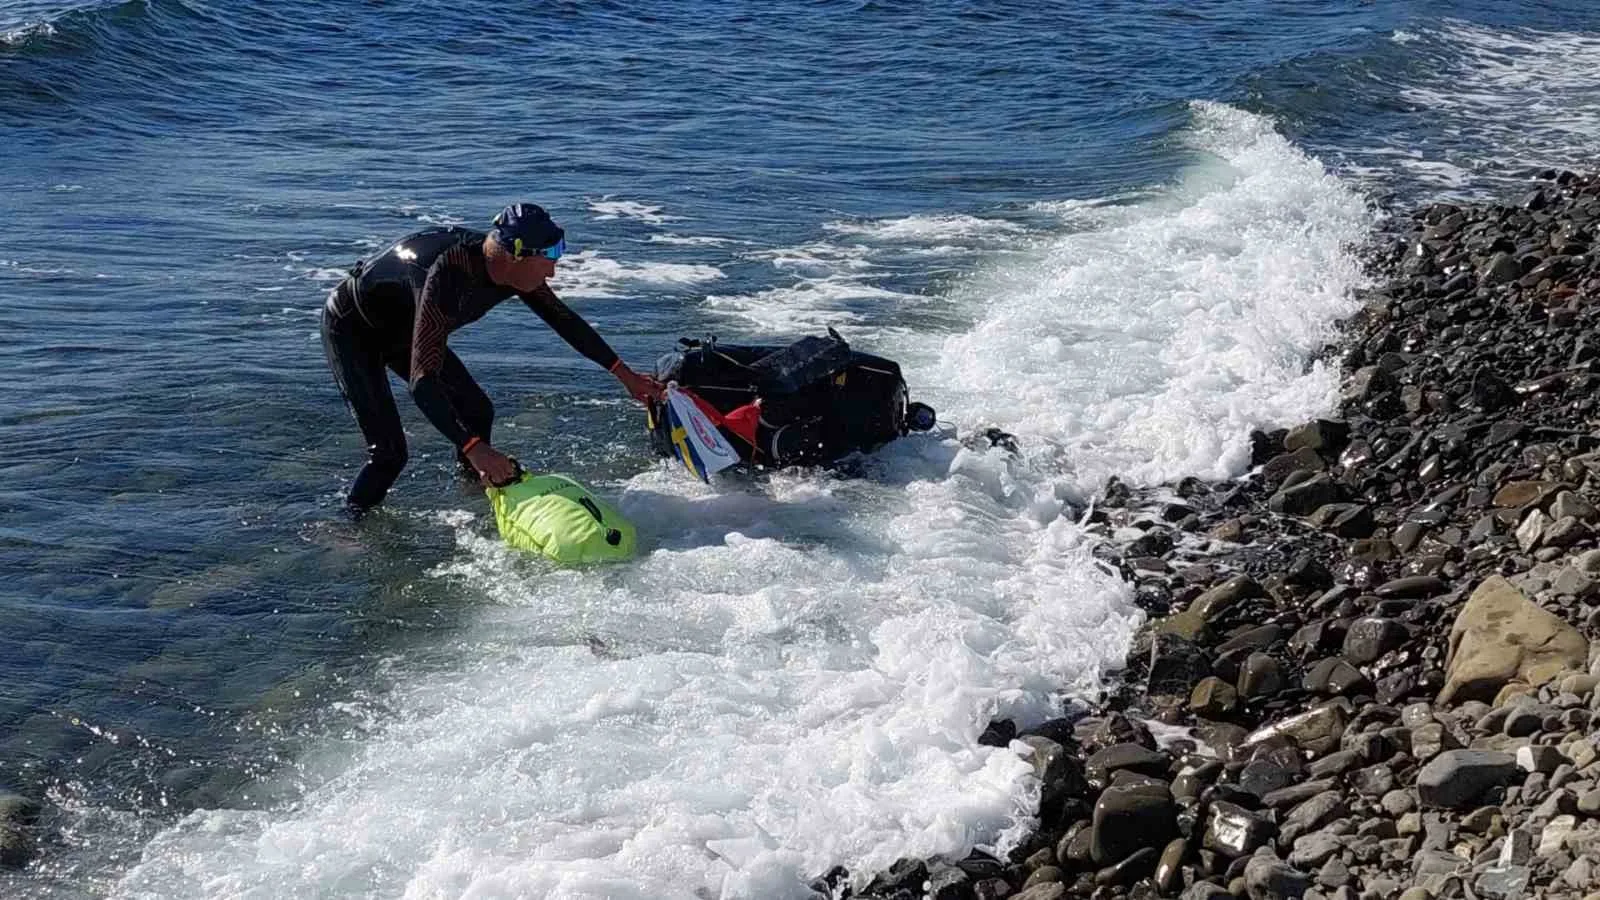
(21, 34)
(607, 208)
(796, 671)
(691, 240)
(927, 228)
(1491, 104)
(1150, 347)
(809, 305)
(589, 274)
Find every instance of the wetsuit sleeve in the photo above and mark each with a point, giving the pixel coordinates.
(437, 309)
(571, 326)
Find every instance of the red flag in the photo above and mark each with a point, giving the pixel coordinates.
(741, 421)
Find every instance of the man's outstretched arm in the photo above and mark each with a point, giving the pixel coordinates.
(584, 339)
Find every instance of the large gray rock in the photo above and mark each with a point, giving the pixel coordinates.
(1125, 757)
(1317, 730)
(1192, 623)
(1428, 741)
(1564, 532)
(1504, 882)
(1335, 676)
(1130, 818)
(1306, 497)
(16, 843)
(1572, 504)
(1530, 533)
(1312, 850)
(947, 883)
(1501, 637)
(1060, 773)
(1459, 779)
(1502, 268)
(1371, 637)
(1233, 830)
(1053, 890)
(1169, 868)
(1313, 814)
(1266, 878)
(1296, 794)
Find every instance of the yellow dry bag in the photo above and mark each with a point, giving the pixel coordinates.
(556, 516)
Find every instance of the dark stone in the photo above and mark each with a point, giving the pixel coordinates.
(1490, 393)
(1265, 445)
(1349, 520)
(1296, 794)
(1308, 572)
(1416, 587)
(905, 874)
(1323, 434)
(1335, 676)
(1461, 779)
(1175, 664)
(1154, 542)
(1277, 470)
(1267, 878)
(1218, 600)
(999, 733)
(1406, 683)
(1253, 639)
(1260, 676)
(1261, 777)
(1374, 781)
(1315, 638)
(1128, 819)
(1139, 864)
(1213, 697)
(1131, 757)
(947, 883)
(1336, 763)
(1304, 498)
(1170, 866)
(1313, 814)
(1059, 771)
(1368, 382)
(1358, 454)
(1316, 730)
(1370, 638)
(1502, 268)
(1235, 831)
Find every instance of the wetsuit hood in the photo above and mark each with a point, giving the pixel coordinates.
(528, 223)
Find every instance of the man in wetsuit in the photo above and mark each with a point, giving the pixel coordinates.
(395, 312)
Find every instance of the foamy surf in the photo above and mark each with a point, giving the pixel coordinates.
(796, 671)
(592, 275)
(1484, 107)
(607, 208)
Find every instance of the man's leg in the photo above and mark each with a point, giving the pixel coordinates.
(358, 369)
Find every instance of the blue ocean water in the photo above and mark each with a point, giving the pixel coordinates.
(201, 659)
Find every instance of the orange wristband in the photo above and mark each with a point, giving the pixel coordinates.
(615, 366)
(471, 442)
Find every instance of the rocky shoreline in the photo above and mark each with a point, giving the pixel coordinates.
(1384, 642)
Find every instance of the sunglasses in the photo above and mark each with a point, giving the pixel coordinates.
(552, 252)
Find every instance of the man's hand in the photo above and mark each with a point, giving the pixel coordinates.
(640, 387)
(494, 467)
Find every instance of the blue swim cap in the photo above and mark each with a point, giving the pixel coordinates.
(526, 229)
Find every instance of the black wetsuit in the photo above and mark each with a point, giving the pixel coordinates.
(395, 311)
